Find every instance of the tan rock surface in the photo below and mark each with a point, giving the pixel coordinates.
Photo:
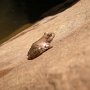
(64, 67)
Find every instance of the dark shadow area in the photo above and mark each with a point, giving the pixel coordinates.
(10, 18)
(17, 13)
(59, 8)
(34, 9)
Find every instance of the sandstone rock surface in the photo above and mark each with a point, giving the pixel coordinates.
(64, 67)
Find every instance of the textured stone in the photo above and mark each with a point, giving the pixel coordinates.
(64, 67)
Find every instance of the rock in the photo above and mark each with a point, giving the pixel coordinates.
(64, 67)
